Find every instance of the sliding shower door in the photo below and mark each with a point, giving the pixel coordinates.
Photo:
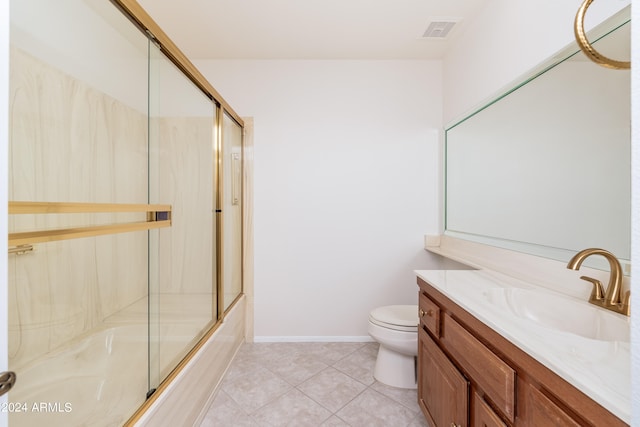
(115, 217)
(182, 298)
(231, 208)
(78, 168)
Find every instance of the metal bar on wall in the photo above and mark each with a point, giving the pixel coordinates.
(158, 216)
(65, 207)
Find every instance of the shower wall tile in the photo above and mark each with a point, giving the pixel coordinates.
(69, 142)
(184, 162)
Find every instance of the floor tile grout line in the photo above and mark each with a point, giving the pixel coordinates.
(279, 376)
(316, 354)
(341, 407)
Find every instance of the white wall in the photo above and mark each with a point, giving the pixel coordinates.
(346, 183)
(506, 39)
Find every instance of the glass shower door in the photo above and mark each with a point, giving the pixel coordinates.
(182, 297)
(231, 209)
(114, 167)
(78, 164)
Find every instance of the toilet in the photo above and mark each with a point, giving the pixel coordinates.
(395, 327)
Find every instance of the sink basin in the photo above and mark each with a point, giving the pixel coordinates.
(562, 313)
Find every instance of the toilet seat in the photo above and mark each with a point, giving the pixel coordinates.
(396, 317)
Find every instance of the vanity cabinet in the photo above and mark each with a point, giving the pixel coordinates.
(469, 375)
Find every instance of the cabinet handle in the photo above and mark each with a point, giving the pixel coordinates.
(455, 425)
(428, 313)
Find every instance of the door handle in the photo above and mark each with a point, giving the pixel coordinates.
(7, 380)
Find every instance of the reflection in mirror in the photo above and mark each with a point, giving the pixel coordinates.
(545, 168)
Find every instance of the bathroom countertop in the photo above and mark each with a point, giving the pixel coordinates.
(600, 369)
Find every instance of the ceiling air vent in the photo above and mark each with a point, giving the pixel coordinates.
(438, 29)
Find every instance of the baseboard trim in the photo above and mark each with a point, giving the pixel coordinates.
(340, 338)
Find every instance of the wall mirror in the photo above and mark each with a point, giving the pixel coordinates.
(545, 167)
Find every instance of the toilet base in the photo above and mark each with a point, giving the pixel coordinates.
(395, 369)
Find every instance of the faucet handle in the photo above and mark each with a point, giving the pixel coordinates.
(597, 293)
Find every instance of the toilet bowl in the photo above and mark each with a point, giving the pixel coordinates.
(395, 327)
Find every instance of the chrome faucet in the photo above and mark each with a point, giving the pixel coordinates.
(611, 299)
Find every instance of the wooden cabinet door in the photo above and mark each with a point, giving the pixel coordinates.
(538, 410)
(443, 392)
(483, 415)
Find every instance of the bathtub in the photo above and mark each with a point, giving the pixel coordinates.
(99, 380)
(102, 378)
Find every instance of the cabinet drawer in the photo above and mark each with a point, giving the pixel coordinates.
(483, 415)
(492, 375)
(429, 315)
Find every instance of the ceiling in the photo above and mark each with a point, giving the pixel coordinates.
(309, 29)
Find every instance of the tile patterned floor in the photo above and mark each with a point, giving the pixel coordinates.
(309, 384)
